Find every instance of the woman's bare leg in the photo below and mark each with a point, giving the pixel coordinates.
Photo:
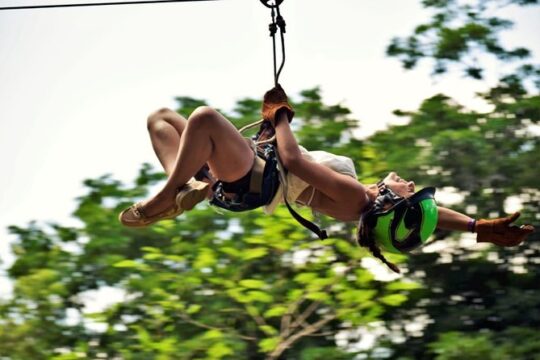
(166, 128)
(207, 137)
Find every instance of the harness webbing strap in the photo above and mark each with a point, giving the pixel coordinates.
(304, 222)
(257, 172)
(257, 178)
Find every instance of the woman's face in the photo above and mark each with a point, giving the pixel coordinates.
(398, 185)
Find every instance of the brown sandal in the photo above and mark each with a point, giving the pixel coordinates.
(190, 195)
(135, 217)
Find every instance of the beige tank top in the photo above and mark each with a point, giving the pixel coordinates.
(295, 185)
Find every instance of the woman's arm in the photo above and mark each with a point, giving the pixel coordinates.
(452, 220)
(287, 146)
(500, 231)
(337, 186)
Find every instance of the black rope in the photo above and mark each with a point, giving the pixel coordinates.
(277, 23)
(27, 7)
(281, 24)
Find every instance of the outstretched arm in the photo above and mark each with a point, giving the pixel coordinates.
(453, 220)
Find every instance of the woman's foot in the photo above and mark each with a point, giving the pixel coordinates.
(191, 194)
(164, 206)
(145, 213)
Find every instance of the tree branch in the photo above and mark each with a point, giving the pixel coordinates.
(305, 332)
(302, 318)
(187, 319)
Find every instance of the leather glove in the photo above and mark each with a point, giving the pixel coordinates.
(501, 232)
(275, 101)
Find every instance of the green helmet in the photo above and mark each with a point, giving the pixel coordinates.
(399, 224)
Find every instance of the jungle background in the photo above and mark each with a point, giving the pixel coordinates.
(213, 285)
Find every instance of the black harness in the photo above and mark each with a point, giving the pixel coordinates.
(257, 188)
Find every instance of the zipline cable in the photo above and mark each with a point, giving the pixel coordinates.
(28, 7)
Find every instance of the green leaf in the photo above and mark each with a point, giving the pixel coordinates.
(127, 264)
(213, 334)
(267, 345)
(151, 249)
(252, 284)
(238, 295)
(153, 256)
(275, 311)
(268, 330)
(318, 296)
(356, 296)
(254, 253)
(394, 299)
(306, 277)
(295, 294)
(402, 285)
(259, 296)
(194, 308)
(219, 350)
(229, 250)
(206, 258)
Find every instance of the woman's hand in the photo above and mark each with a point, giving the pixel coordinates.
(501, 231)
(275, 101)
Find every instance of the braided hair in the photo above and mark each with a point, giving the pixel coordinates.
(365, 236)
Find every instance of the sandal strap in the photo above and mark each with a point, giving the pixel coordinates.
(138, 211)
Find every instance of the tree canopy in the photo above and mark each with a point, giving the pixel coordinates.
(218, 285)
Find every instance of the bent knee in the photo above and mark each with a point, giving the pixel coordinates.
(204, 116)
(154, 119)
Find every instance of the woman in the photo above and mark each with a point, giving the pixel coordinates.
(325, 182)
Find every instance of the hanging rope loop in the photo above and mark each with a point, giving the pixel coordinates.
(278, 22)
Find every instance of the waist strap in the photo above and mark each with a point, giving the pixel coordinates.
(257, 172)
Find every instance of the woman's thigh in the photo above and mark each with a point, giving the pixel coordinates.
(232, 156)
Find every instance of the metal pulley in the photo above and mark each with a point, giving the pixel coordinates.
(271, 6)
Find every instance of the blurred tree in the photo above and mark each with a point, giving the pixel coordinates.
(481, 303)
(248, 286)
(205, 286)
(459, 33)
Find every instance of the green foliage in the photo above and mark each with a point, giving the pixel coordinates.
(474, 305)
(488, 158)
(477, 347)
(205, 286)
(513, 343)
(248, 286)
(457, 34)
(327, 353)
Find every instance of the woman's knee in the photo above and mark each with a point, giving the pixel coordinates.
(204, 117)
(157, 118)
